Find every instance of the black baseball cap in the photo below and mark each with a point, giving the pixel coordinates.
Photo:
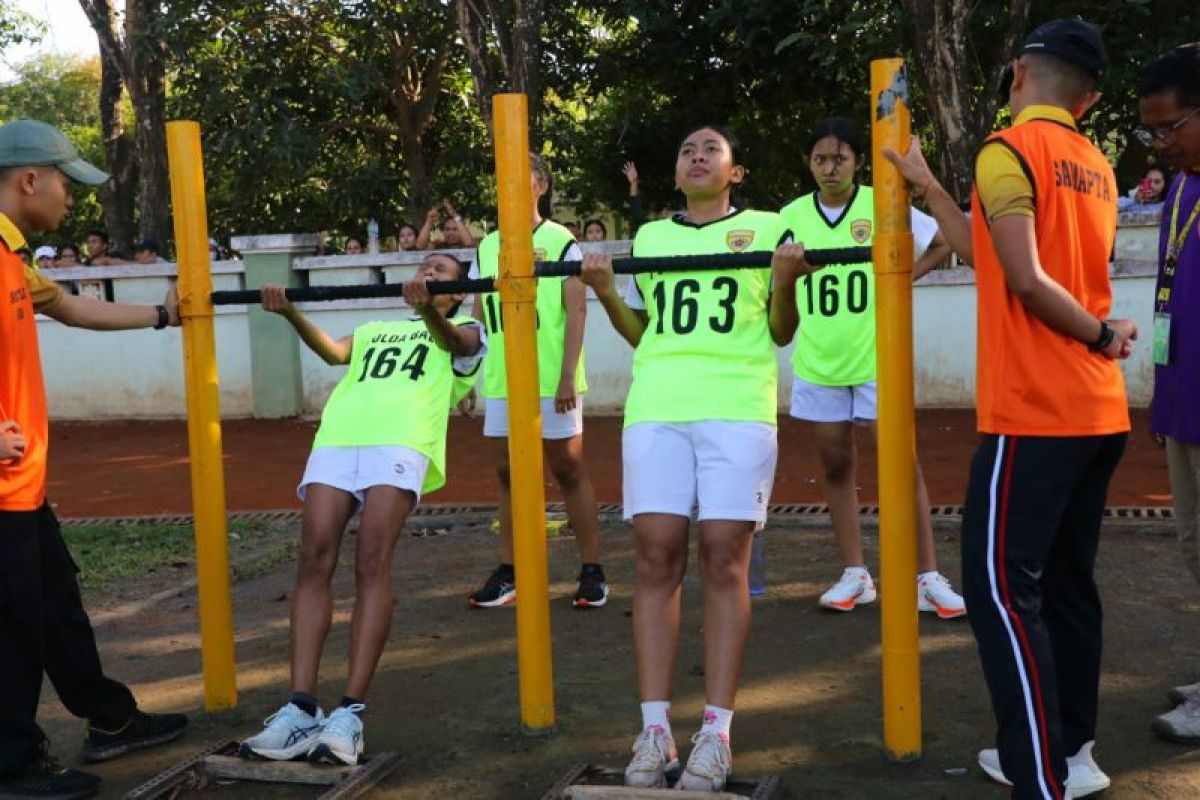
(1074, 41)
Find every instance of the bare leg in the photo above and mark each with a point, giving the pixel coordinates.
(500, 449)
(725, 565)
(661, 541)
(326, 511)
(565, 457)
(835, 443)
(383, 518)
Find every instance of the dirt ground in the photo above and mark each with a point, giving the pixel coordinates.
(809, 708)
(139, 467)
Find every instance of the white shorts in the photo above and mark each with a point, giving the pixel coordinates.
(554, 425)
(816, 403)
(356, 469)
(722, 469)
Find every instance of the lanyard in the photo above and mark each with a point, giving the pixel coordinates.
(1175, 241)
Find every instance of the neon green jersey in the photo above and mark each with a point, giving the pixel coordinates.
(398, 391)
(706, 352)
(835, 345)
(551, 242)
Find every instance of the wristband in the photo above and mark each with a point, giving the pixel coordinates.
(1104, 339)
(164, 318)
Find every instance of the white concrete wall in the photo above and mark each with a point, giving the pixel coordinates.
(93, 375)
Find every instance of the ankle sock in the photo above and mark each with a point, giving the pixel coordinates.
(305, 702)
(717, 720)
(657, 713)
(348, 701)
(931, 574)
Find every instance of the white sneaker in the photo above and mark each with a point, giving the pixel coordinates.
(1181, 725)
(1084, 776)
(855, 587)
(1181, 694)
(935, 594)
(289, 733)
(708, 766)
(341, 740)
(654, 756)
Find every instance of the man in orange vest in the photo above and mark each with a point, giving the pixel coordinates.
(1051, 409)
(43, 625)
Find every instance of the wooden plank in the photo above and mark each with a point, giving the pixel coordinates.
(630, 793)
(242, 769)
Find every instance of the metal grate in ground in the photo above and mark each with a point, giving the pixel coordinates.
(432, 513)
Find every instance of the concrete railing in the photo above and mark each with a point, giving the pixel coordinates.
(266, 372)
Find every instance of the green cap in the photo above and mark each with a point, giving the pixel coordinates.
(29, 143)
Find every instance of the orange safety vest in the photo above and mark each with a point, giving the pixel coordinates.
(1030, 379)
(22, 390)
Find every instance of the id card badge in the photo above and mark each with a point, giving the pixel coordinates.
(1162, 338)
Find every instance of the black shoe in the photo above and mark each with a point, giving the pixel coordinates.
(141, 731)
(500, 589)
(46, 779)
(592, 591)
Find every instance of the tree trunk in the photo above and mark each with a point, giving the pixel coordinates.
(118, 194)
(471, 24)
(149, 100)
(137, 60)
(961, 94)
(518, 48)
(526, 59)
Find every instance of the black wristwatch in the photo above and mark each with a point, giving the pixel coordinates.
(164, 318)
(1104, 339)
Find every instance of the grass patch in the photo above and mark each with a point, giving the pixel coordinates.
(110, 553)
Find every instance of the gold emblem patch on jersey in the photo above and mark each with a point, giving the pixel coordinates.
(860, 229)
(739, 240)
(539, 254)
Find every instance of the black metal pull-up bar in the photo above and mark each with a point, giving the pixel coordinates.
(556, 269)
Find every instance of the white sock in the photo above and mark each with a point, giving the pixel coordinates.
(859, 572)
(923, 575)
(657, 712)
(717, 720)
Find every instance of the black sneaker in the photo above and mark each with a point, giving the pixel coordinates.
(592, 591)
(141, 731)
(500, 589)
(46, 779)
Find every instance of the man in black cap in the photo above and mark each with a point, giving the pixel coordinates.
(44, 629)
(1051, 405)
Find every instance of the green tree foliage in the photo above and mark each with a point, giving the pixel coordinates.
(17, 26)
(62, 90)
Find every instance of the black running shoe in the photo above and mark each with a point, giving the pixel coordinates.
(46, 779)
(141, 731)
(592, 591)
(500, 589)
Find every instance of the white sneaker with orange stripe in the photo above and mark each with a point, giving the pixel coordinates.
(855, 587)
(934, 594)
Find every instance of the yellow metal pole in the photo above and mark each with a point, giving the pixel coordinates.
(518, 298)
(204, 414)
(892, 253)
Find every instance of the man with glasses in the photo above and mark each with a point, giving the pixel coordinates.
(1169, 92)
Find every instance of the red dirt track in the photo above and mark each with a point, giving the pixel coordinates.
(139, 467)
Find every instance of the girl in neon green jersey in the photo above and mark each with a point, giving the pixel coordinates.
(380, 446)
(699, 433)
(834, 360)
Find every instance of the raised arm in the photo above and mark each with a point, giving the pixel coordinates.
(458, 340)
(426, 232)
(332, 351)
(598, 274)
(787, 267)
(954, 224)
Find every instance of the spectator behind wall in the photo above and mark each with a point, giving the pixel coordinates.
(454, 231)
(44, 257)
(407, 237)
(595, 231)
(354, 246)
(147, 251)
(1149, 194)
(98, 250)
